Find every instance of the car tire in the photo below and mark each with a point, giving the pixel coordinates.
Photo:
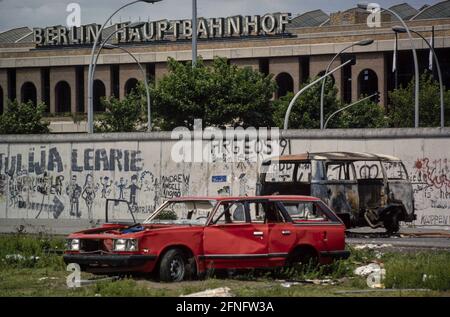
(302, 257)
(174, 266)
(392, 224)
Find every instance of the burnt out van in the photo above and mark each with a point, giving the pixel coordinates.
(363, 189)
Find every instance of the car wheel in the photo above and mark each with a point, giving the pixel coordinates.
(392, 225)
(303, 257)
(173, 267)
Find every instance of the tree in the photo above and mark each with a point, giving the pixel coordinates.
(367, 114)
(402, 104)
(221, 95)
(23, 118)
(306, 111)
(126, 115)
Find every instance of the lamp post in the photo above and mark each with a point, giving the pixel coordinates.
(90, 78)
(348, 106)
(416, 62)
(291, 104)
(144, 74)
(399, 29)
(322, 92)
(194, 33)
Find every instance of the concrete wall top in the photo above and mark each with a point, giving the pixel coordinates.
(401, 133)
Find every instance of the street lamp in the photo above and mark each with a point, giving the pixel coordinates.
(291, 104)
(322, 93)
(194, 33)
(348, 106)
(416, 62)
(399, 29)
(90, 79)
(144, 74)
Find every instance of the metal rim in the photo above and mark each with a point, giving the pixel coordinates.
(177, 268)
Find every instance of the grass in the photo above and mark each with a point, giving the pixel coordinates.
(34, 271)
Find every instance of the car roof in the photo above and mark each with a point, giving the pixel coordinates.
(333, 156)
(248, 198)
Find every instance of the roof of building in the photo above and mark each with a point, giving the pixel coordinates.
(437, 11)
(14, 35)
(310, 19)
(405, 10)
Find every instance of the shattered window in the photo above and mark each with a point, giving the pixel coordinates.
(265, 212)
(229, 213)
(288, 172)
(368, 170)
(305, 211)
(183, 212)
(395, 170)
(339, 171)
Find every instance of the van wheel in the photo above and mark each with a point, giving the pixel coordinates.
(173, 267)
(392, 224)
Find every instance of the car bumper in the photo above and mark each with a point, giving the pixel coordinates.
(336, 255)
(112, 261)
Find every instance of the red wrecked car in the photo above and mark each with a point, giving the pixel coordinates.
(187, 236)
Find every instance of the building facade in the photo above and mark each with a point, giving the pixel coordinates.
(51, 65)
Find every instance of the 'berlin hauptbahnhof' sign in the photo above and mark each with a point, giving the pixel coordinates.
(236, 26)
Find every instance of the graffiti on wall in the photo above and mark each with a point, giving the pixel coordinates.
(431, 181)
(43, 183)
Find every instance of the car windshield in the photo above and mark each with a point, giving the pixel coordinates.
(194, 213)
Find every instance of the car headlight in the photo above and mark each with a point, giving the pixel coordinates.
(124, 245)
(73, 244)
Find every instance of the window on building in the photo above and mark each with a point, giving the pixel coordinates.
(63, 97)
(28, 93)
(264, 66)
(99, 94)
(130, 85)
(367, 83)
(285, 84)
(11, 77)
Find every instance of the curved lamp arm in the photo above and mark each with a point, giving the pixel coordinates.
(147, 86)
(346, 107)
(322, 92)
(292, 103)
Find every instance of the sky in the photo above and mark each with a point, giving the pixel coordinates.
(40, 13)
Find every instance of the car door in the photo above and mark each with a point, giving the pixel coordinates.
(231, 240)
(282, 234)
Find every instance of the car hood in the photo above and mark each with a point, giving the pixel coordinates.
(108, 231)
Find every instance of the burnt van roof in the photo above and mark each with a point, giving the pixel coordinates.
(333, 156)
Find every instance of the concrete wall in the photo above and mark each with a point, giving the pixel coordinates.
(61, 182)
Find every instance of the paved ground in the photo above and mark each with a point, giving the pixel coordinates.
(408, 238)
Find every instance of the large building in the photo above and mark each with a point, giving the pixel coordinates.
(51, 64)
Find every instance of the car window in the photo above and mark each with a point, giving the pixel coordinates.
(339, 171)
(288, 172)
(229, 213)
(302, 211)
(368, 170)
(395, 170)
(265, 212)
(280, 172)
(183, 212)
